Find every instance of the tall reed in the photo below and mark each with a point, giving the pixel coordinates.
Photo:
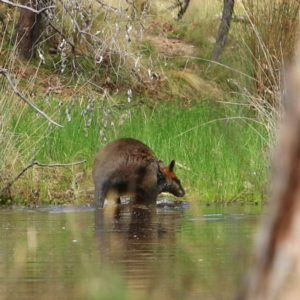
(271, 34)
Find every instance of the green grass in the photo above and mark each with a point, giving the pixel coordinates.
(221, 146)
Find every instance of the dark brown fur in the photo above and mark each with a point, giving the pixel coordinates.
(129, 167)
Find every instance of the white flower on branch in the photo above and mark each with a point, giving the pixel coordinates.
(106, 112)
(127, 37)
(150, 74)
(105, 93)
(82, 16)
(63, 48)
(88, 122)
(41, 55)
(117, 28)
(104, 122)
(60, 104)
(129, 93)
(98, 59)
(69, 118)
(128, 29)
(137, 63)
(50, 16)
(155, 75)
(102, 135)
(90, 107)
(63, 63)
(73, 102)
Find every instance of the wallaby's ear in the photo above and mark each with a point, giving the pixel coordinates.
(161, 164)
(171, 165)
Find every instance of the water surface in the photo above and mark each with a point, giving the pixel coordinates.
(169, 252)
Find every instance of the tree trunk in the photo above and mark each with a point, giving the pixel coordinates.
(223, 30)
(275, 267)
(182, 8)
(27, 30)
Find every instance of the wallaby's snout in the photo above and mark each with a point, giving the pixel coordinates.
(171, 183)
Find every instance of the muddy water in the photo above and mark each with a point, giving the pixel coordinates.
(169, 252)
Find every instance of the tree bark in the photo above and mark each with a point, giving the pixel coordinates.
(223, 30)
(182, 8)
(27, 30)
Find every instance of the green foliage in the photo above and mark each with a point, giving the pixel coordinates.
(220, 147)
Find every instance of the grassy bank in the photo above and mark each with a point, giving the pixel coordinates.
(219, 146)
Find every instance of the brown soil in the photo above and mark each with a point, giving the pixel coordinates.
(172, 46)
(158, 34)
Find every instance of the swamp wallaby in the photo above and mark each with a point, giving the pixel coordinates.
(128, 167)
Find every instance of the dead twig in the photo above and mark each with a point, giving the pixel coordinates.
(35, 163)
(183, 5)
(28, 8)
(68, 42)
(64, 37)
(16, 91)
(106, 5)
(182, 166)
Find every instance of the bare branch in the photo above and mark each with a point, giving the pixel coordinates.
(183, 5)
(66, 39)
(108, 6)
(183, 8)
(28, 8)
(69, 13)
(35, 163)
(59, 165)
(4, 73)
(174, 5)
(182, 166)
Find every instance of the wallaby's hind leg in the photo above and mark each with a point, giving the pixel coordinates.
(99, 196)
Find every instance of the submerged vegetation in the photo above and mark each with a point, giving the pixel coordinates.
(217, 120)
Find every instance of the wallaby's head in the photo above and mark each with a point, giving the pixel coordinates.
(168, 181)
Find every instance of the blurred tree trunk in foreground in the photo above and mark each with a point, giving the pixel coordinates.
(223, 29)
(275, 271)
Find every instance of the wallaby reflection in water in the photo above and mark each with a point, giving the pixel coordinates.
(136, 236)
